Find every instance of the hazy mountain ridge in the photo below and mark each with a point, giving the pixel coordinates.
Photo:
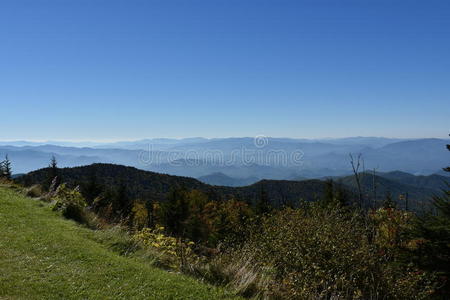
(419, 190)
(241, 158)
(434, 181)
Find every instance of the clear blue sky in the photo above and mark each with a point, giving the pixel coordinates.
(112, 70)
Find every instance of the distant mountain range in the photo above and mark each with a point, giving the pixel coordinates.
(248, 158)
(167, 142)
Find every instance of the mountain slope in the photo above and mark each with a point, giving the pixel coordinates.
(224, 180)
(147, 185)
(155, 186)
(417, 196)
(434, 181)
(281, 192)
(44, 256)
(139, 183)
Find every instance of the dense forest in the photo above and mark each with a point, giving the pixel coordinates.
(143, 185)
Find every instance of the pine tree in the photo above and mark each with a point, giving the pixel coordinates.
(53, 163)
(53, 175)
(121, 202)
(2, 169)
(340, 195)
(388, 201)
(5, 169)
(175, 211)
(151, 218)
(434, 229)
(92, 188)
(263, 205)
(329, 192)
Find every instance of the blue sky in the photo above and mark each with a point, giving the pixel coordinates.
(123, 70)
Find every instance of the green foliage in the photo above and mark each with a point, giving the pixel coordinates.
(91, 188)
(113, 203)
(334, 195)
(302, 250)
(44, 256)
(70, 202)
(140, 215)
(192, 215)
(173, 252)
(157, 187)
(388, 201)
(227, 221)
(432, 232)
(175, 211)
(118, 240)
(332, 253)
(263, 205)
(34, 191)
(5, 169)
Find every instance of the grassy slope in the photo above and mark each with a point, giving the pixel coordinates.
(43, 255)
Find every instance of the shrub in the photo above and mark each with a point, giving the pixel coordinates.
(139, 215)
(70, 202)
(328, 253)
(34, 191)
(431, 236)
(173, 252)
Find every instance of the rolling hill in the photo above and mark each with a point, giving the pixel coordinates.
(433, 181)
(140, 184)
(150, 185)
(377, 187)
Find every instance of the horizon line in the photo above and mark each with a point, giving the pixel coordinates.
(107, 141)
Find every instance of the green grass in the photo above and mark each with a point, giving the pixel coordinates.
(44, 256)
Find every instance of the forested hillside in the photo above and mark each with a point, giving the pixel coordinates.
(142, 185)
(145, 185)
(405, 193)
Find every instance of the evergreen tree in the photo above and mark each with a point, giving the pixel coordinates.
(328, 195)
(53, 175)
(5, 169)
(175, 211)
(121, 202)
(434, 229)
(388, 201)
(53, 163)
(150, 216)
(92, 188)
(263, 205)
(334, 194)
(340, 195)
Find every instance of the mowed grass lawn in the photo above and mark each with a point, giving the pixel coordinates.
(44, 256)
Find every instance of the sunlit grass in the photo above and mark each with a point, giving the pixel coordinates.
(44, 256)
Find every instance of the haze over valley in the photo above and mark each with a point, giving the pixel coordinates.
(242, 159)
